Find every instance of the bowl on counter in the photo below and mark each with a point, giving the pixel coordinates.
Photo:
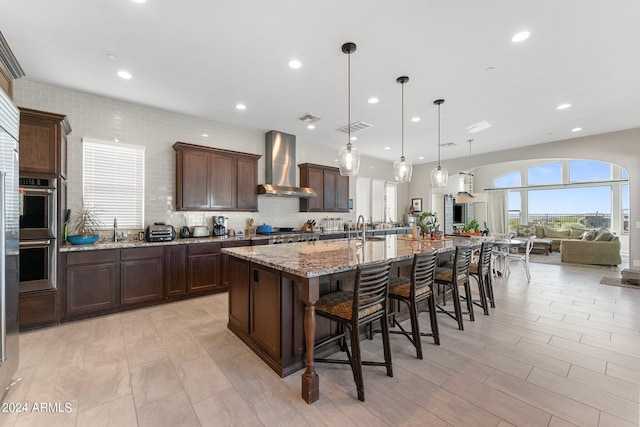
(82, 240)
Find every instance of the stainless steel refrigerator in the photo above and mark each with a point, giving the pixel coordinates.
(9, 240)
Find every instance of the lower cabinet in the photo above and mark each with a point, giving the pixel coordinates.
(203, 268)
(264, 309)
(175, 274)
(37, 310)
(91, 281)
(141, 275)
(239, 295)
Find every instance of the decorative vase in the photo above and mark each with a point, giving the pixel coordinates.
(436, 235)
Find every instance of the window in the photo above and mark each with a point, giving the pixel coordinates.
(113, 182)
(512, 179)
(588, 170)
(624, 190)
(363, 197)
(376, 199)
(551, 173)
(391, 202)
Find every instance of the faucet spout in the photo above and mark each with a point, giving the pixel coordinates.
(361, 217)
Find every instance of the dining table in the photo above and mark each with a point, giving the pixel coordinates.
(503, 248)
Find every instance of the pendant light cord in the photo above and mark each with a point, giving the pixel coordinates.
(349, 99)
(402, 124)
(438, 136)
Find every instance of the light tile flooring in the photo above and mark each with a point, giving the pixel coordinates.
(562, 350)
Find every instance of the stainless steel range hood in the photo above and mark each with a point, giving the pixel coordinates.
(280, 174)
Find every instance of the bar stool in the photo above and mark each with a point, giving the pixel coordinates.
(482, 273)
(413, 292)
(367, 303)
(453, 276)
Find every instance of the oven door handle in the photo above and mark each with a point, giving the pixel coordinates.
(34, 243)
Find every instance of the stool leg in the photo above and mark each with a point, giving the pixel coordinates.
(455, 296)
(384, 322)
(356, 362)
(415, 328)
(434, 319)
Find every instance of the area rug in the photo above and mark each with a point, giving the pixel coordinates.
(554, 259)
(616, 281)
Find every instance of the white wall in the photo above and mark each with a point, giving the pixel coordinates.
(620, 148)
(106, 119)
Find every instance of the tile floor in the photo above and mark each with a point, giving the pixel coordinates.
(562, 350)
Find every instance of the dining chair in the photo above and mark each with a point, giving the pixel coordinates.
(367, 303)
(414, 291)
(523, 258)
(452, 276)
(481, 271)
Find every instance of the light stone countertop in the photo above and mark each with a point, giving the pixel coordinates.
(323, 257)
(67, 247)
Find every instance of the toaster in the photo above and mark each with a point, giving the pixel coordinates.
(160, 233)
(200, 231)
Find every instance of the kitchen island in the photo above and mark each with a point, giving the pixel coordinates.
(273, 291)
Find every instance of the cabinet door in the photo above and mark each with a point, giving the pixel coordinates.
(239, 294)
(141, 280)
(91, 287)
(193, 178)
(175, 262)
(246, 188)
(223, 182)
(342, 193)
(265, 309)
(38, 145)
(204, 273)
(330, 195)
(313, 178)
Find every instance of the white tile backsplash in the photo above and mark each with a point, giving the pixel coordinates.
(109, 119)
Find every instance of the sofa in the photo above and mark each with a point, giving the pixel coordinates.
(577, 243)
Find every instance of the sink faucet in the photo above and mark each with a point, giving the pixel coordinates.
(361, 217)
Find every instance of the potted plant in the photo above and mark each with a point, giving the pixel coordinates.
(473, 227)
(86, 224)
(428, 223)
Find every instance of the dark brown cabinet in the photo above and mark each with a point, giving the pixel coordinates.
(213, 179)
(331, 187)
(239, 294)
(37, 309)
(226, 266)
(43, 141)
(264, 309)
(141, 275)
(90, 281)
(175, 262)
(204, 268)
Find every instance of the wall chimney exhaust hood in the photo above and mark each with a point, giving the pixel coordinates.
(280, 170)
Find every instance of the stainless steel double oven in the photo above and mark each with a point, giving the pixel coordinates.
(38, 222)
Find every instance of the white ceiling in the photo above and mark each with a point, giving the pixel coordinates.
(202, 57)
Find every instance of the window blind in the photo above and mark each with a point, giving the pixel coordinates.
(113, 182)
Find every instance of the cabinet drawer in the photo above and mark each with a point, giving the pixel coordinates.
(91, 257)
(203, 248)
(236, 243)
(142, 253)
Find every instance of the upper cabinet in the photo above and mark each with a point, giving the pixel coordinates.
(331, 187)
(9, 67)
(213, 179)
(43, 143)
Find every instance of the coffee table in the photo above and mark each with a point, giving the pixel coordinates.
(542, 244)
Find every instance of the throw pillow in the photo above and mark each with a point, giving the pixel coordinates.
(589, 235)
(576, 233)
(604, 235)
(558, 234)
(526, 231)
(540, 231)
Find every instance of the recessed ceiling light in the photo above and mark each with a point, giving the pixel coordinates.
(139, 1)
(206, 135)
(112, 57)
(490, 69)
(521, 36)
(370, 167)
(295, 64)
(311, 127)
(576, 129)
(354, 138)
(124, 75)
(373, 100)
(563, 106)
(415, 119)
(241, 106)
(477, 127)
(116, 140)
(421, 158)
(387, 148)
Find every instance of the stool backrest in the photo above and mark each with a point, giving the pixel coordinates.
(461, 262)
(424, 266)
(484, 263)
(371, 288)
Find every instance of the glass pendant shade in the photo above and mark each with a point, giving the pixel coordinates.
(402, 169)
(349, 160)
(439, 177)
(349, 156)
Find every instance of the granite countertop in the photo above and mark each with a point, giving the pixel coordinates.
(135, 243)
(322, 257)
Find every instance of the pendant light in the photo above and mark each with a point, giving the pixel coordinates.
(402, 168)
(349, 156)
(439, 176)
(465, 192)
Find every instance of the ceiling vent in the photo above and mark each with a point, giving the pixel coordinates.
(355, 126)
(448, 144)
(477, 127)
(309, 118)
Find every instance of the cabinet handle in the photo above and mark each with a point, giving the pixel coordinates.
(255, 275)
